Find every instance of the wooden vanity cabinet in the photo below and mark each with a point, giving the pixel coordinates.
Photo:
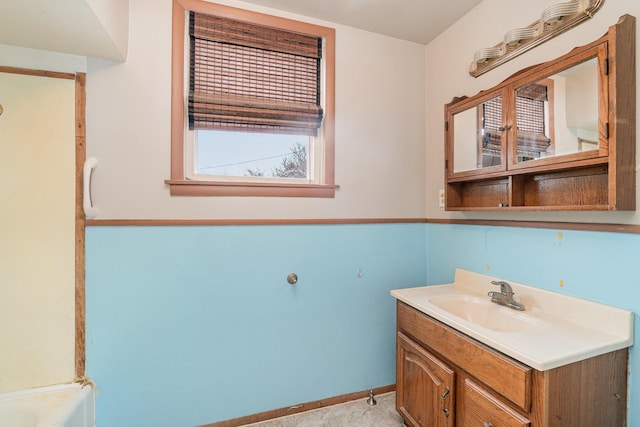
(445, 378)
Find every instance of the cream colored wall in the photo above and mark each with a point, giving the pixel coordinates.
(448, 59)
(114, 17)
(380, 133)
(37, 223)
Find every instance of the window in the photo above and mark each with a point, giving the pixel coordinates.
(252, 104)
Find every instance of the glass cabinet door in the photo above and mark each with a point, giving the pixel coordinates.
(477, 137)
(558, 115)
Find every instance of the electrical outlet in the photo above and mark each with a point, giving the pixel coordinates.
(441, 198)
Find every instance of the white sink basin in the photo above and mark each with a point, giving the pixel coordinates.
(485, 313)
(552, 331)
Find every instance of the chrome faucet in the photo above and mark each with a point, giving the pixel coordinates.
(505, 296)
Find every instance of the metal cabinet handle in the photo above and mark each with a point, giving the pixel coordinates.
(487, 424)
(446, 412)
(446, 392)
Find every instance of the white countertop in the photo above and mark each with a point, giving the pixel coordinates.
(558, 329)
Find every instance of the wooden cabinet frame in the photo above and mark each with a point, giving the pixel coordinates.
(600, 179)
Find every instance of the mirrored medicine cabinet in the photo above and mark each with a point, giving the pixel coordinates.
(555, 136)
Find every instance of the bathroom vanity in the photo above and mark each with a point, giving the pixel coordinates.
(465, 361)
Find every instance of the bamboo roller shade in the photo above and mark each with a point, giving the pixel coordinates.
(250, 77)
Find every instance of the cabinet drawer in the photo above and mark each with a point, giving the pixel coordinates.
(506, 376)
(478, 407)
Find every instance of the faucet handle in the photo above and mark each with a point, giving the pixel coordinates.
(505, 288)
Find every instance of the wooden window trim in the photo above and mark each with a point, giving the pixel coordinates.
(178, 184)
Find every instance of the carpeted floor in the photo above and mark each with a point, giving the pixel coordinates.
(353, 414)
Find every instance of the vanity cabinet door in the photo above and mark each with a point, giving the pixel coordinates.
(479, 408)
(424, 386)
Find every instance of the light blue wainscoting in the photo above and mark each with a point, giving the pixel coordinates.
(192, 325)
(602, 267)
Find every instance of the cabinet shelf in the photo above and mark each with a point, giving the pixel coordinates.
(572, 188)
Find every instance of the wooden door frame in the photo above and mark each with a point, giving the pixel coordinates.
(80, 156)
(81, 137)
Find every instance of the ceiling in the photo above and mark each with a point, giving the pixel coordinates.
(78, 26)
(419, 21)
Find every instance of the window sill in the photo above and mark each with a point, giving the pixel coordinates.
(258, 189)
